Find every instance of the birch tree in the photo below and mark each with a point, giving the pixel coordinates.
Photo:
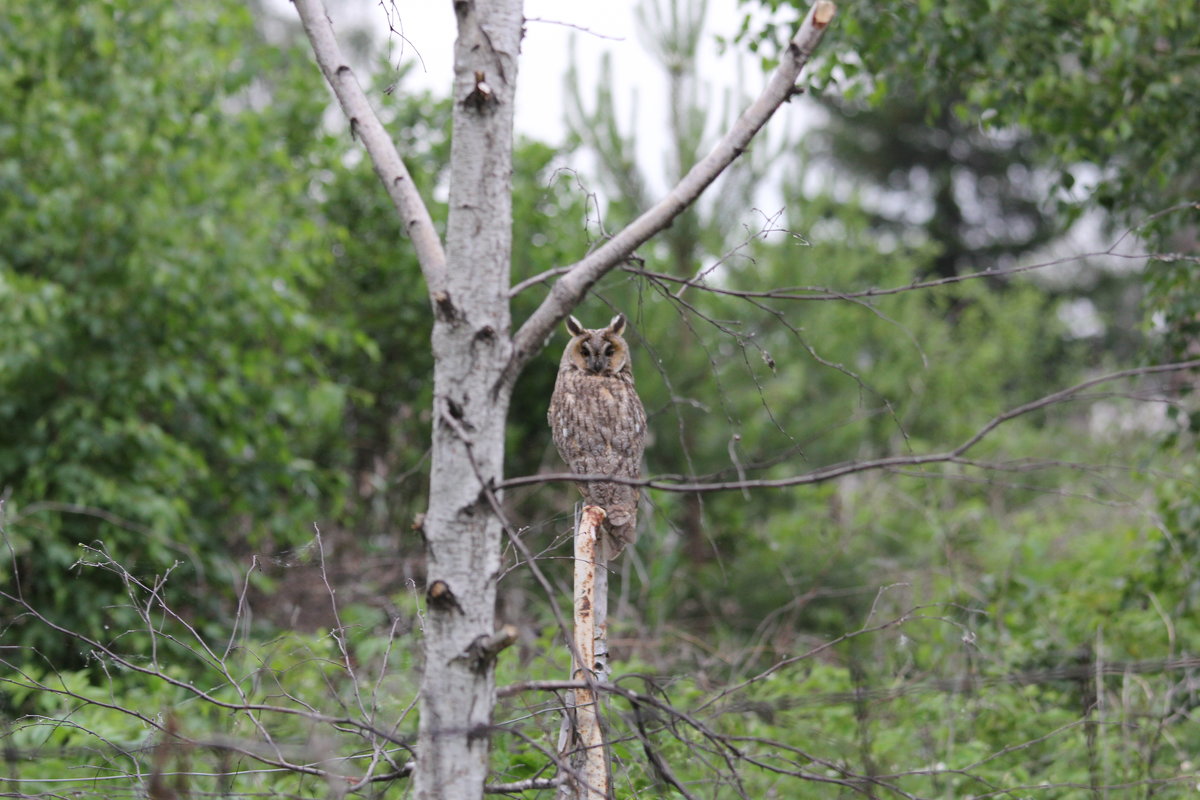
(477, 357)
(1009, 590)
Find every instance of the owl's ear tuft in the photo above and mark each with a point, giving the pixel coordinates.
(617, 326)
(574, 326)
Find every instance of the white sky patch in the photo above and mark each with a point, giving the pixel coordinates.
(639, 85)
(1111, 421)
(1081, 317)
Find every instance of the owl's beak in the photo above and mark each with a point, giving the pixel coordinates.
(596, 365)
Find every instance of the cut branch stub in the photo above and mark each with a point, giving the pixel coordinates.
(439, 596)
(443, 306)
(823, 12)
(483, 650)
(481, 97)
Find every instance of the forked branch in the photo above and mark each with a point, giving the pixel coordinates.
(571, 288)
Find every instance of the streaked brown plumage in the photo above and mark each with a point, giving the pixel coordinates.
(599, 425)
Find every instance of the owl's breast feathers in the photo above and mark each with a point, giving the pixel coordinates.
(599, 416)
(599, 427)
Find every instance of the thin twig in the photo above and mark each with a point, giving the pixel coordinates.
(580, 28)
(825, 293)
(683, 484)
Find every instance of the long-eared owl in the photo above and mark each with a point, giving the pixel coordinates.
(599, 425)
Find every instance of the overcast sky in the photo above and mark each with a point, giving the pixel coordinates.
(595, 28)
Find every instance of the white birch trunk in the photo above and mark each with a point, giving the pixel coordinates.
(471, 348)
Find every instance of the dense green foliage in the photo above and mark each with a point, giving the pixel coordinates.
(212, 340)
(213, 336)
(161, 390)
(1107, 94)
(1112, 87)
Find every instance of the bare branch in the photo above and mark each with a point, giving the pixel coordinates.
(661, 767)
(541, 277)
(365, 124)
(571, 288)
(581, 28)
(98, 649)
(582, 719)
(806, 293)
(527, 785)
(682, 484)
(826, 293)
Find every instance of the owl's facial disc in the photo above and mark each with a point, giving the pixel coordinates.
(597, 356)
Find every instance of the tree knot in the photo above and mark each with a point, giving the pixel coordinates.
(441, 597)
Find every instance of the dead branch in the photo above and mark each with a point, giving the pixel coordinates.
(806, 293)
(584, 736)
(527, 785)
(99, 649)
(685, 484)
(580, 28)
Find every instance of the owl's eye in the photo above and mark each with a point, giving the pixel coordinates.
(609, 350)
(585, 348)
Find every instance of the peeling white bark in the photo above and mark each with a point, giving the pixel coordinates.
(470, 348)
(583, 746)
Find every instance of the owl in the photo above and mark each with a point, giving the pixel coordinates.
(599, 425)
